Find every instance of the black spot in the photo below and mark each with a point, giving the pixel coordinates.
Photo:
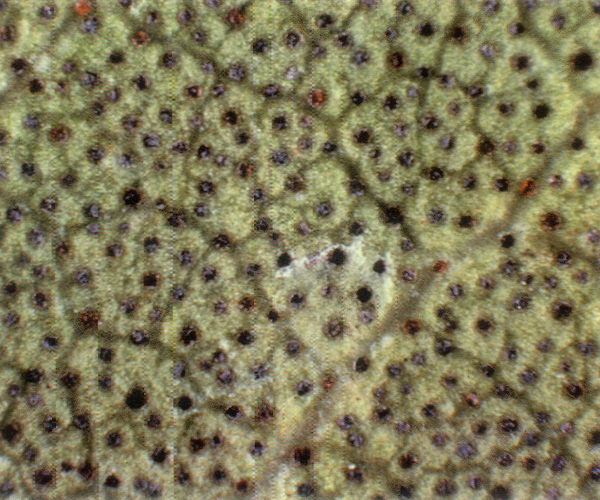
(43, 477)
(426, 29)
(392, 215)
(304, 387)
(561, 310)
(233, 411)
(361, 364)
(357, 98)
(284, 260)
(436, 173)
(131, 197)
(364, 294)
(337, 257)
(323, 21)
(541, 111)
(379, 266)
(260, 46)
(32, 376)
(136, 398)
(355, 228)
(582, 61)
(184, 402)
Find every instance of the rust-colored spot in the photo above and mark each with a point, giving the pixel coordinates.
(316, 98)
(62, 249)
(89, 318)
(472, 399)
(83, 7)
(140, 38)
(328, 382)
(440, 266)
(244, 169)
(528, 187)
(235, 16)
(247, 304)
(551, 221)
(412, 326)
(60, 133)
(242, 486)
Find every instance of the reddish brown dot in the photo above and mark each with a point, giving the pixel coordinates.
(235, 16)
(328, 382)
(440, 266)
(528, 187)
(89, 319)
(60, 133)
(242, 486)
(83, 7)
(316, 98)
(140, 38)
(472, 399)
(412, 326)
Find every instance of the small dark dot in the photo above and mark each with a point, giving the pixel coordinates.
(364, 294)
(486, 146)
(429, 410)
(426, 29)
(541, 111)
(184, 402)
(508, 425)
(284, 260)
(501, 184)
(43, 477)
(561, 310)
(323, 21)
(582, 61)
(379, 267)
(516, 28)
(500, 492)
(131, 197)
(396, 59)
(357, 98)
(136, 398)
(337, 257)
(304, 387)
(575, 390)
(355, 228)
(390, 102)
(361, 365)
(392, 215)
(233, 411)
(112, 481)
